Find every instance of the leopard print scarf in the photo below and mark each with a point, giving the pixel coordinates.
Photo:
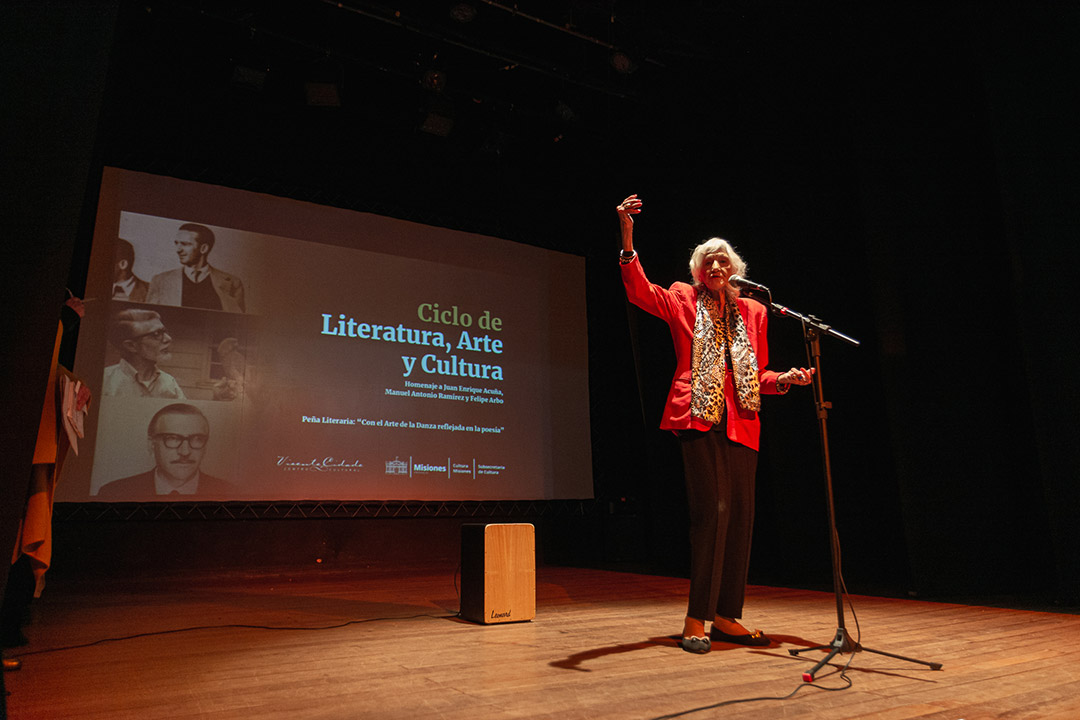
(719, 332)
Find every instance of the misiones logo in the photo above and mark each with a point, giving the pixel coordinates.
(410, 467)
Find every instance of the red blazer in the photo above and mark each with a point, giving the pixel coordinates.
(677, 306)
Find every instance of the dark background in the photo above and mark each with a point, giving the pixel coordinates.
(907, 172)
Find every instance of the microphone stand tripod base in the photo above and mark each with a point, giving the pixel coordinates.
(844, 644)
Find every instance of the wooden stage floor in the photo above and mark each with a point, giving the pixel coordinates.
(376, 643)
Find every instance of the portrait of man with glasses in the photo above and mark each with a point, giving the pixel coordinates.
(144, 345)
(177, 436)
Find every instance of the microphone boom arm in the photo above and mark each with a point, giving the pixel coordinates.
(812, 321)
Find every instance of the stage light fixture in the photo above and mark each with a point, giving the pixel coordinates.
(434, 80)
(322, 94)
(324, 82)
(249, 77)
(622, 62)
(463, 12)
(437, 124)
(565, 113)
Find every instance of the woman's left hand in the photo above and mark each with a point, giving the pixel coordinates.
(796, 376)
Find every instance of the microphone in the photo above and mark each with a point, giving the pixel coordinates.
(744, 284)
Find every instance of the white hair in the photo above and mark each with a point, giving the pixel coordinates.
(714, 245)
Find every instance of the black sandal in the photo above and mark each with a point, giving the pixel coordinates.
(754, 639)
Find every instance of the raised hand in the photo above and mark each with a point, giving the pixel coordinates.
(629, 206)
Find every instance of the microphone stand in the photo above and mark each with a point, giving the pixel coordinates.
(813, 329)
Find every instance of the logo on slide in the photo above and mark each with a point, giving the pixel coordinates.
(411, 468)
(326, 464)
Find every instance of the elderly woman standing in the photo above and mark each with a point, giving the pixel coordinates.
(721, 355)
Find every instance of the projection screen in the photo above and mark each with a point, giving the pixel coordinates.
(240, 346)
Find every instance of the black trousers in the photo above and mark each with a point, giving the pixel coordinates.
(720, 491)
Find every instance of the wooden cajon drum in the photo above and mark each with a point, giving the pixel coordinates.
(498, 572)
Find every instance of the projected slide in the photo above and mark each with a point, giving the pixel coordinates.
(246, 347)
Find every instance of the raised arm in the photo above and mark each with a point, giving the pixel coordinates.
(627, 209)
(653, 299)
